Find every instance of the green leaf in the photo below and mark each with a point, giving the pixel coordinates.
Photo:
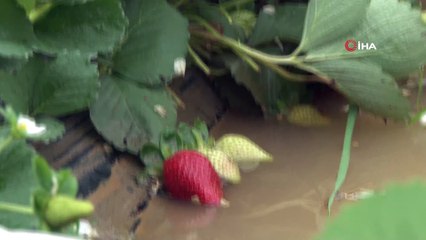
(396, 213)
(67, 183)
(60, 86)
(96, 26)
(44, 173)
(396, 30)
(128, 115)
(169, 143)
(70, 2)
(268, 89)
(346, 154)
(152, 159)
(28, 5)
(220, 19)
(184, 132)
(158, 37)
(365, 84)
(16, 34)
(11, 64)
(327, 20)
(286, 24)
(19, 181)
(54, 130)
(202, 128)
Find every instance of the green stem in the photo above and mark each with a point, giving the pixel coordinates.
(198, 61)
(11, 207)
(248, 60)
(5, 143)
(420, 87)
(269, 60)
(346, 153)
(37, 13)
(238, 46)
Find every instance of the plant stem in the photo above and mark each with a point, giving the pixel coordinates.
(420, 87)
(37, 13)
(236, 45)
(198, 61)
(5, 142)
(248, 60)
(346, 154)
(11, 207)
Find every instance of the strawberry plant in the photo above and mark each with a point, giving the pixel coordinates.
(116, 58)
(32, 194)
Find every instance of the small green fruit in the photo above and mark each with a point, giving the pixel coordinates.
(224, 166)
(62, 210)
(424, 17)
(241, 149)
(307, 116)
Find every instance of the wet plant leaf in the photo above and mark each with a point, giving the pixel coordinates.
(327, 20)
(18, 182)
(15, 41)
(96, 26)
(382, 217)
(55, 87)
(286, 24)
(221, 20)
(125, 113)
(157, 37)
(346, 154)
(395, 29)
(365, 84)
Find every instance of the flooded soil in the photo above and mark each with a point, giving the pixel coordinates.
(286, 199)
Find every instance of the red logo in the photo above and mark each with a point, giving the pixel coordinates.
(351, 45)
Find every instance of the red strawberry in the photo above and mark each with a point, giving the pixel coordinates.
(188, 174)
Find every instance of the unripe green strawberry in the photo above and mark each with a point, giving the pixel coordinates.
(63, 210)
(241, 149)
(307, 116)
(224, 166)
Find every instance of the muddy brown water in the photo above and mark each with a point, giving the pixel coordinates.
(284, 199)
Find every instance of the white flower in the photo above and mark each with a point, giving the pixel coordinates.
(86, 230)
(423, 120)
(29, 126)
(269, 9)
(180, 66)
